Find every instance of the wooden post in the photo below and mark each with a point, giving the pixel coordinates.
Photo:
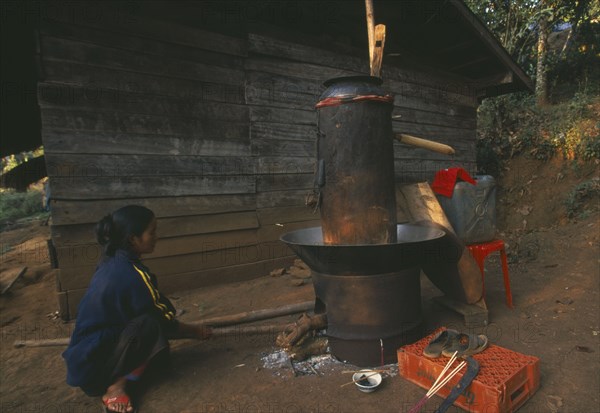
(370, 29)
(420, 204)
(249, 316)
(216, 332)
(229, 320)
(377, 59)
(44, 342)
(425, 144)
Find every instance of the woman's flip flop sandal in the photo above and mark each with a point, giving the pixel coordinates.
(437, 344)
(123, 399)
(465, 345)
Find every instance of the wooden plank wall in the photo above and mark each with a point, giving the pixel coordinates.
(214, 133)
(282, 89)
(289, 74)
(432, 106)
(151, 113)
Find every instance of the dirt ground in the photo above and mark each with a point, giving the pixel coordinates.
(554, 266)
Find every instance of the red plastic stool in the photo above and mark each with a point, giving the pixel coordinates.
(480, 251)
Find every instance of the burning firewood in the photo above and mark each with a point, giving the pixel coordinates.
(308, 347)
(293, 333)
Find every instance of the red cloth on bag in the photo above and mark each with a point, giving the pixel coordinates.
(445, 179)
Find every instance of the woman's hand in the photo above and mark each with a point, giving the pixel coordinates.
(203, 332)
(199, 331)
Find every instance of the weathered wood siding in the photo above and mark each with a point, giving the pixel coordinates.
(284, 81)
(150, 113)
(436, 107)
(214, 133)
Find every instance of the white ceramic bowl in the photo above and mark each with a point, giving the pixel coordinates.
(372, 377)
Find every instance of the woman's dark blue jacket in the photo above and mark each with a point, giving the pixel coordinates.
(121, 289)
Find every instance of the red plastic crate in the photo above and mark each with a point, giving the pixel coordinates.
(506, 379)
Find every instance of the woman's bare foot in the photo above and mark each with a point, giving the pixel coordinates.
(115, 399)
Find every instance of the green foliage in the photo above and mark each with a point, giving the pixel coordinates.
(12, 161)
(574, 128)
(590, 149)
(488, 162)
(543, 151)
(511, 125)
(577, 64)
(513, 22)
(571, 57)
(18, 205)
(588, 190)
(516, 24)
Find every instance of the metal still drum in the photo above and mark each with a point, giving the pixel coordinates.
(356, 162)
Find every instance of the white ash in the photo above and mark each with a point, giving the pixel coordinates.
(319, 364)
(276, 360)
(280, 361)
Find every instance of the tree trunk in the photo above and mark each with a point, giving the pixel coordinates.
(541, 82)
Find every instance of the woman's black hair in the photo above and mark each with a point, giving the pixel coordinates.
(115, 230)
